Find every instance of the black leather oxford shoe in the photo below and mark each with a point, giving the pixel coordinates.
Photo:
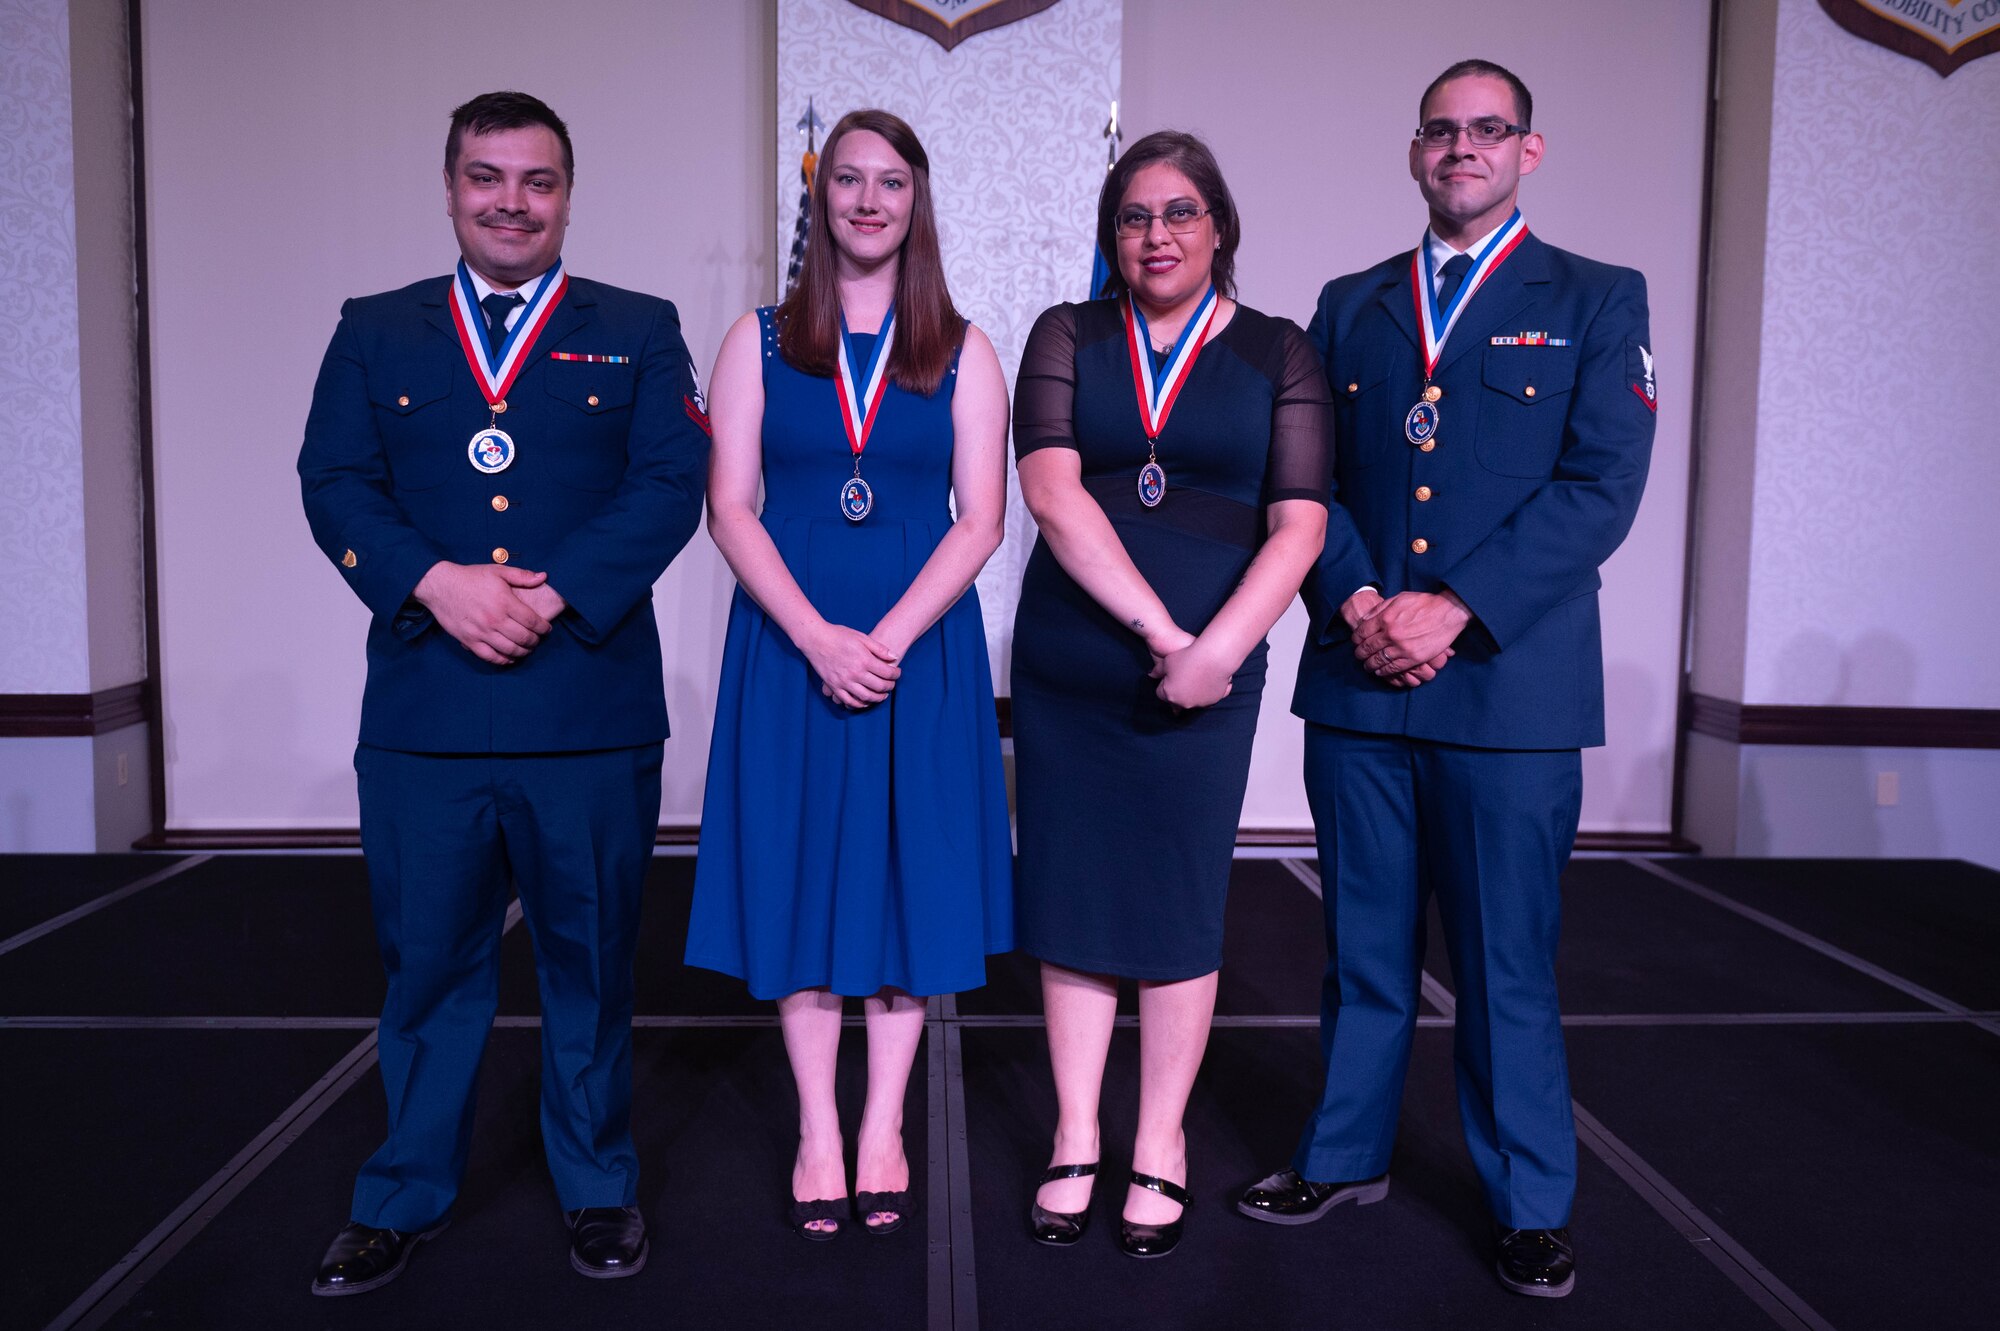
(1286, 1199)
(1536, 1262)
(362, 1257)
(606, 1242)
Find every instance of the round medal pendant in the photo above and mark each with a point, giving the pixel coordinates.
(1422, 422)
(856, 499)
(1152, 484)
(491, 451)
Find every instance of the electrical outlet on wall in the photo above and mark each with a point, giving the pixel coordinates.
(1886, 793)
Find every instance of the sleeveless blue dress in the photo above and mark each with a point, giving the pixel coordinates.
(853, 849)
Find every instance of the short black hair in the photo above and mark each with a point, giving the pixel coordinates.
(490, 112)
(1192, 158)
(1524, 104)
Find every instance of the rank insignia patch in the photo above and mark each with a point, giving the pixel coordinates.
(1639, 368)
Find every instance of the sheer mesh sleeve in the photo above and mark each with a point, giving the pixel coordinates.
(1301, 461)
(1045, 390)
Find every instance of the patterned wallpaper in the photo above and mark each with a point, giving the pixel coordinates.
(1010, 118)
(45, 648)
(1874, 569)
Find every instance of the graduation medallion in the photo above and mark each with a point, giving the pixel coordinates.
(858, 406)
(492, 449)
(856, 499)
(1156, 397)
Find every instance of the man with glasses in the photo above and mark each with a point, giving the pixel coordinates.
(1494, 409)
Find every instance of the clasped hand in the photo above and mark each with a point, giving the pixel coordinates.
(1190, 673)
(855, 669)
(496, 612)
(1406, 639)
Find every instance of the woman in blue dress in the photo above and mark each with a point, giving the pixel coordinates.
(854, 834)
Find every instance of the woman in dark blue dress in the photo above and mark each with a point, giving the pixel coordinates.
(854, 834)
(1173, 447)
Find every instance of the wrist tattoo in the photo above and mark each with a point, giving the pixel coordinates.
(1139, 625)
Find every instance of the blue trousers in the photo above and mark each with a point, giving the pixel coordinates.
(1488, 831)
(442, 834)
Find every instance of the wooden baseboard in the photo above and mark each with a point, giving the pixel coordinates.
(71, 715)
(1845, 727)
(689, 834)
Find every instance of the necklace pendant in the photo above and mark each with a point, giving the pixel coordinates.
(1152, 484)
(856, 499)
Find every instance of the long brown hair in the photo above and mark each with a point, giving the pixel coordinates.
(1190, 156)
(928, 326)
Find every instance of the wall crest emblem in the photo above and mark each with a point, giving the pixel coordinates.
(949, 22)
(1944, 34)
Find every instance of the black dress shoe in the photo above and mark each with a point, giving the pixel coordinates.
(362, 1257)
(1536, 1262)
(1155, 1240)
(1286, 1199)
(606, 1242)
(1059, 1229)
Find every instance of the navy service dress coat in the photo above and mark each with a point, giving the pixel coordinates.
(1468, 786)
(544, 773)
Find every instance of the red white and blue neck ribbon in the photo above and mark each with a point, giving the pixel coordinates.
(859, 405)
(1156, 397)
(495, 371)
(1437, 322)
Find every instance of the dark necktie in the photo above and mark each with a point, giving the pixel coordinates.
(1455, 269)
(498, 307)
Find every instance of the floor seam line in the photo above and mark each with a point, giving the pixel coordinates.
(1797, 935)
(1778, 1300)
(116, 1287)
(98, 903)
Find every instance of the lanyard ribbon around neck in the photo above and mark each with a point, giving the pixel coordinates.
(1435, 321)
(495, 370)
(1156, 396)
(859, 402)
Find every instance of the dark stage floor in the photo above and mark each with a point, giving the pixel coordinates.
(1787, 1077)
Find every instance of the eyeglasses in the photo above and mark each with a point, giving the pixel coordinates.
(1180, 218)
(1488, 133)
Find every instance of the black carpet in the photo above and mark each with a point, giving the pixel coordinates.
(1860, 1164)
(1420, 1259)
(253, 935)
(106, 1132)
(1857, 1162)
(34, 888)
(1632, 943)
(1932, 922)
(715, 1121)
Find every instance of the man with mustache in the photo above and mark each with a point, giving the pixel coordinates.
(501, 463)
(1493, 424)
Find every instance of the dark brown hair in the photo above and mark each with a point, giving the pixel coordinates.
(1524, 105)
(928, 326)
(491, 112)
(1191, 157)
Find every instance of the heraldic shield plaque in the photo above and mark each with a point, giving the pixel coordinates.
(1944, 34)
(949, 22)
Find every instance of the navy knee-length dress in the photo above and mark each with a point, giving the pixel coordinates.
(1127, 810)
(839, 848)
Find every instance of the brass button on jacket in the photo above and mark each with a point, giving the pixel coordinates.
(592, 399)
(348, 560)
(1420, 545)
(1427, 445)
(1423, 494)
(1529, 390)
(403, 401)
(499, 554)
(500, 406)
(499, 503)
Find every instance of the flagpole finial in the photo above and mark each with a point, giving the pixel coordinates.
(811, 126)
(1113, 136)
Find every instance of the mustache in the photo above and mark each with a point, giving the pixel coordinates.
(517, 221)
